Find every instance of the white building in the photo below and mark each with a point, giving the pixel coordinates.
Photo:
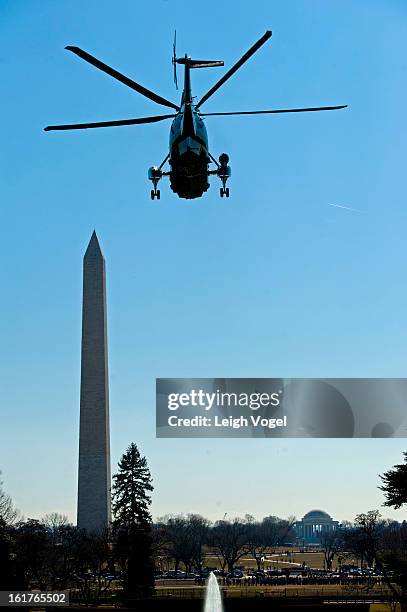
(312, 525)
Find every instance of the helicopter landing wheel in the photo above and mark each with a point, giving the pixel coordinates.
(227, 192)
(158, 194)
(221, 192)
(152, 193)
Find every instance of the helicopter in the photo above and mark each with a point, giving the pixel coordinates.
(189, 157)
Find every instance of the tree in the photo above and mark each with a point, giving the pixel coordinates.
(94, 564)
(33, 552)
(185, 537)
(160, 545)
(368, 531)
(199, 529)
(178, 543)
(395, 485)
(10, 578)
(131, 487)
(394, 559)
(8, 570)
(8, 512)
(229, 541)
(65, 547)
(132, 523)
(384, 543)
(261, 536)
(55, 521)
(53, 555)
(331, 543)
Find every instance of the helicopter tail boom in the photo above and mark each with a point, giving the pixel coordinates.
(200, 63)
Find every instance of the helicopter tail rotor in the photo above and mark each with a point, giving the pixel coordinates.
(174, 58)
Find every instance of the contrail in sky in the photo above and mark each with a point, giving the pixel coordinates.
(345, 207)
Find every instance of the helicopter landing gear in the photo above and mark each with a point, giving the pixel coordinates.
(224, 172)
(154, 175)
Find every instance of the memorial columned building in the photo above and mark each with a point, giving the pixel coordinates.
(312, 525)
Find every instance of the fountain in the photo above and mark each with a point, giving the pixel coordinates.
(213, 598)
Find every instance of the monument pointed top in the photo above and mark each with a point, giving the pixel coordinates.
(94, 246)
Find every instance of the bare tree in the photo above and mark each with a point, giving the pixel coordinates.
(54, 521)
(331, 543)
(32, 550)
(384, 543)
(264, 535)
(393, 561)
(8, 512)
(160, 544)
(199, 530)
(177, 537)
(229, 541)
(94, 557)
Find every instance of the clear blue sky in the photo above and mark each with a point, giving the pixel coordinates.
(272, 282)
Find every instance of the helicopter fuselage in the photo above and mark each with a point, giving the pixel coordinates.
(189, 156)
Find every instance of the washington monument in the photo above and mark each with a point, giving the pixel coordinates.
(94, 480)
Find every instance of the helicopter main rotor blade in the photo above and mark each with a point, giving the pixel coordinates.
(280, 110)
(121, 77)
(230, 72)
(85, 126)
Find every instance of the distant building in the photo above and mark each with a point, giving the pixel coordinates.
(312, 525)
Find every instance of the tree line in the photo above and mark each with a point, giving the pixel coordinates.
(52, 554)
(188, 540)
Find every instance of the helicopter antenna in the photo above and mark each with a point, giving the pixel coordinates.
(174, 58)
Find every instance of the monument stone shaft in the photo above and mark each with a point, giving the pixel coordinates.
(94, 479)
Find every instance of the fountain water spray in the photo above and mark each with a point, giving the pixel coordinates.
(213, 598)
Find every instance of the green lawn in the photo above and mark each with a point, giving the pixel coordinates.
(278, 561)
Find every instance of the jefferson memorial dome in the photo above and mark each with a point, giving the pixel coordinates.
(314, 524)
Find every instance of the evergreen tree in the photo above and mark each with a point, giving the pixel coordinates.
(132, 523)
(131, 487)
(395, 485)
